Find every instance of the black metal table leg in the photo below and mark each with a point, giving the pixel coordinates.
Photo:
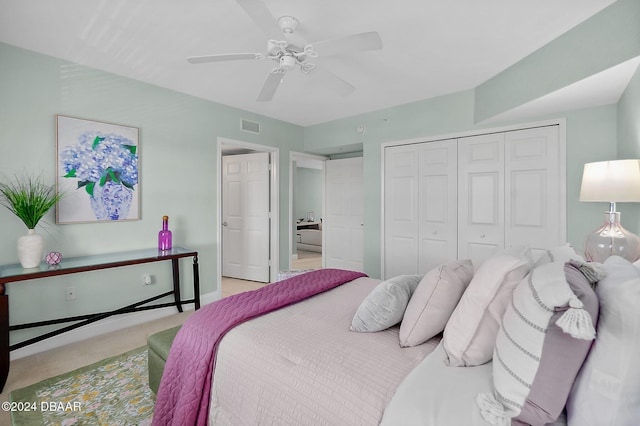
(175, 265)
(196, 282)
(4, 339)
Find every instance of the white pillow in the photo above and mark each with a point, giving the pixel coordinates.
(433, 394)
(470, 334)
(433, 302)
(607, 390)
(385, 305)
(563, 253)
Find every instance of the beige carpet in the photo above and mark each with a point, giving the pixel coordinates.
(307, 260)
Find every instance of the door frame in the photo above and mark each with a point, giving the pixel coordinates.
(274, 234)
(293, 157)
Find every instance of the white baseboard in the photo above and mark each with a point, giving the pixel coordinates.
(107, 325)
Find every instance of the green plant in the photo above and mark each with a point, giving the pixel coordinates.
(28, 198)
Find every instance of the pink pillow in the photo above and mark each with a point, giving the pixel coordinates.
(470, 334)
(433, 302)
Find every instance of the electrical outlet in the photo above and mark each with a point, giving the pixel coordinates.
(70, 293)
(147, 279)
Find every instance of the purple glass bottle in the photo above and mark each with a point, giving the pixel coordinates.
(164, 236)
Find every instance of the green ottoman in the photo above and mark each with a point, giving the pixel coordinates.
(158, 350)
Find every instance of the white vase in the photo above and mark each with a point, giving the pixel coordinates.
(30, 249)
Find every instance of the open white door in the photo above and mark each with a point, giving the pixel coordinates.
(343, 227)
(245, 216)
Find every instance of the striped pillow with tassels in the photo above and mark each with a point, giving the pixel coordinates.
(544, 337)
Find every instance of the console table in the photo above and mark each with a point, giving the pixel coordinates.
(14, 273)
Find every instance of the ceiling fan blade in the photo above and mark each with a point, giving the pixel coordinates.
(348, 44)
(331, 81)
(258, 11)
(270, 85)
(223, 57)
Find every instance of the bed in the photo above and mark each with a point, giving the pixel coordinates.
(309, 240)
(298, 361)
(307, 368)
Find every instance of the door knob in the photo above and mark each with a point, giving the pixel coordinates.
(224, 223)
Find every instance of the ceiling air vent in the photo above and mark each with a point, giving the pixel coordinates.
(250, 126)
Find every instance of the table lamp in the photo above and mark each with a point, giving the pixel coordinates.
(611, 181)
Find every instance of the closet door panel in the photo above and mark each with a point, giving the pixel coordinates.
(481, 196)
(400, 211)
(472, 197)
(438, 204)
(533, 214)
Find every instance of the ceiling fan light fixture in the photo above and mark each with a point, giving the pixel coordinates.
(287, 62)
(288, 24)
(288, 50)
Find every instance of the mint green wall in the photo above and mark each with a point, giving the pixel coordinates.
(629, 119)
(178, 137)
(309, 191)
(591, 135)
(435, 116)
(601, 42)
(629, 143)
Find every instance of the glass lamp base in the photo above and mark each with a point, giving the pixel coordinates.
(612, 239)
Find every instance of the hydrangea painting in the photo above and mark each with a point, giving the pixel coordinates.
(97, 171)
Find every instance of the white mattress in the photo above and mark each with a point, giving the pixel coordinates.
(434, 394)
(301, 365)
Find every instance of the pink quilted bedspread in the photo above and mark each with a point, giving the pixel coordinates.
(183, 397)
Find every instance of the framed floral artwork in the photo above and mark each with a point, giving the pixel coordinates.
(97, 171)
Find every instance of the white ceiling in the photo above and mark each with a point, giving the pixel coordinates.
(431, 47)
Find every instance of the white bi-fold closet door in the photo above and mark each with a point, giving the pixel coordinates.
(509, 192)
(488, 192)
(420, 206)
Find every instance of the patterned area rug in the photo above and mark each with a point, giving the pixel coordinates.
(113, 391)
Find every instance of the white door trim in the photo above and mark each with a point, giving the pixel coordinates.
(274, 201)
(295, 156)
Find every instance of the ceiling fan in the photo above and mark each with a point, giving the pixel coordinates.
(288, 50)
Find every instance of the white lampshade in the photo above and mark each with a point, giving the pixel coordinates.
(611, 181)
